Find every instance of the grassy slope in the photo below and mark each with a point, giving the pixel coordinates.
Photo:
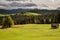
(31, 13)
(30, 32)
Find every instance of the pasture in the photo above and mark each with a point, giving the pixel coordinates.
(30, 32)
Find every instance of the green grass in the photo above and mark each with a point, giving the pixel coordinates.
(1, 15)
(30, 32)
(31, 13)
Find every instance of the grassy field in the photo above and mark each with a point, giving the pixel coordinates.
(31, 13)
(30, 32)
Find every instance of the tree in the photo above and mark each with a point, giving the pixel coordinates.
(7, 22)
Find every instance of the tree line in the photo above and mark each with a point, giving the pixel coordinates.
(40, 19)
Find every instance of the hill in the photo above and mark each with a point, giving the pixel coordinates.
(31, 14)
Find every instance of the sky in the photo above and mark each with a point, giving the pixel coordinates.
(40, 4)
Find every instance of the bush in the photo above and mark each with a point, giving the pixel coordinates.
(54, 25)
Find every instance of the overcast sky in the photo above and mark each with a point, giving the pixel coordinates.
(41, 4)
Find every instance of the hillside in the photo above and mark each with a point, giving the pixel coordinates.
(31, 13)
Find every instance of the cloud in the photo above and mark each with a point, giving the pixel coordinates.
(15, 4)
(15, 0)
(41, 4)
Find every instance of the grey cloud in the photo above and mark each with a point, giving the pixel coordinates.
(15, 0)
(15, 4)
(21, 4)
(58, 8)
(48, 4)
(43, 5)
(3, 5)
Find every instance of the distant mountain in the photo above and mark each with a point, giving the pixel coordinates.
(13, 11)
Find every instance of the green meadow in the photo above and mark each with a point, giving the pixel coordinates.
(30, 32)
(31, 13)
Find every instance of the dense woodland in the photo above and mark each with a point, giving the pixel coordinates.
(46, 17)
(34, 19)
(39, 19)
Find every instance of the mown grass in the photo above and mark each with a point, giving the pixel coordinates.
(30, 32)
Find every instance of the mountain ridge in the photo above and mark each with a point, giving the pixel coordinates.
(14, 11)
